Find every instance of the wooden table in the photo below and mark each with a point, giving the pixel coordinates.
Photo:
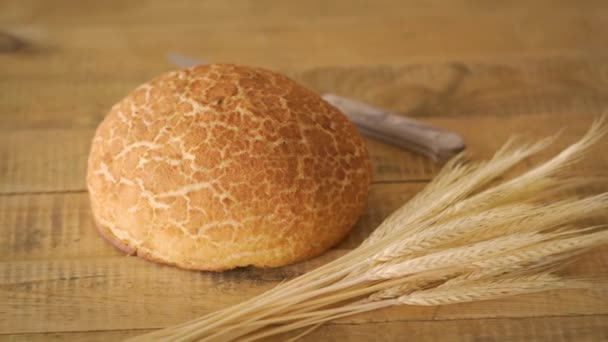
(486, 70)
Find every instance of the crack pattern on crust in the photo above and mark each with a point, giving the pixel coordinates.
(220, 166)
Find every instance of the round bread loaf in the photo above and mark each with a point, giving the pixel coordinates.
(220, 166)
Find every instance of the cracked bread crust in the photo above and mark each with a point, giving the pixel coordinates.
(220, 166)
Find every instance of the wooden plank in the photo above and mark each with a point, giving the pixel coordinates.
(586, 328)
(61, 155)
(521, 35)
(43, 228)
(554, 86)
(59, 226)
(126, 293)
(35, 161)
(284, 41)
(57, 274)
(581, 328)
(66, 13)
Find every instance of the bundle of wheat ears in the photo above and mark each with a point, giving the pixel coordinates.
(472, 234)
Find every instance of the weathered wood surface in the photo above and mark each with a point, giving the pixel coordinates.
(486, 71)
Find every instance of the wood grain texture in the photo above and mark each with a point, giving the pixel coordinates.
(484, 70)
(61, 153)
(582, 328)
(116, 12)
(340, 34)
(114, 293)
(61, 157)
(70, 279)
(556, 86)
(59, 225)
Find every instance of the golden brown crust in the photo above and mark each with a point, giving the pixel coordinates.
(221, 166)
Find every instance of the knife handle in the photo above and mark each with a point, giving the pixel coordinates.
(438, 144)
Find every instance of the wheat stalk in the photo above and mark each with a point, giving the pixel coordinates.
(469, 235)
(468, 292)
